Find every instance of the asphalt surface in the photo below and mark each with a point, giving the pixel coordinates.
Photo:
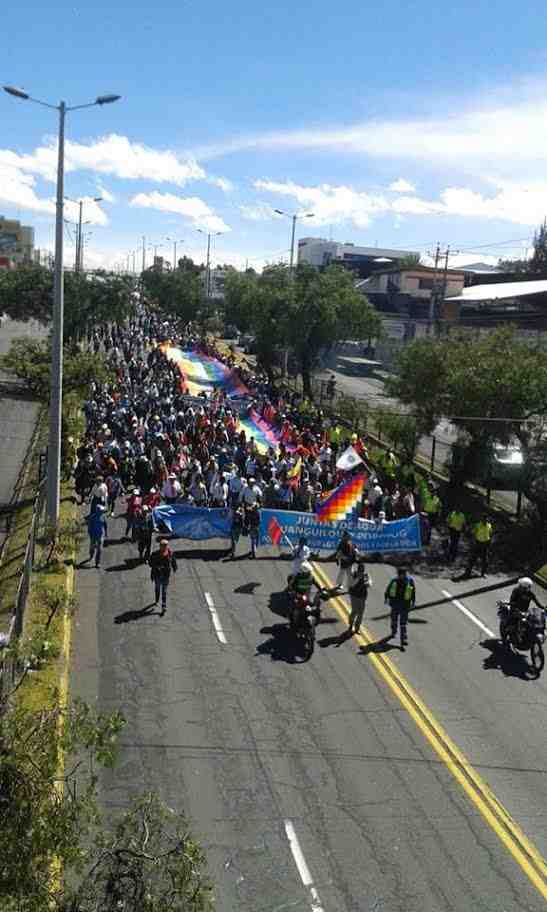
(17, 415)
(310, 785)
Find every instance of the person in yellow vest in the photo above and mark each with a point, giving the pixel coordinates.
(482, 539)
(456, 524)
(432, 506)
(388, 463)
(335, 436)
(400, 595)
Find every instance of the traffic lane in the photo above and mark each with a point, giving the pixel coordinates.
(244, 743)
(184, 735)
(326, 712)
(495, 713)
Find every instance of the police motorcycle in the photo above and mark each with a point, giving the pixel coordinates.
(523, 629)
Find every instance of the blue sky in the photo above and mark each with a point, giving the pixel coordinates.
(397, 125)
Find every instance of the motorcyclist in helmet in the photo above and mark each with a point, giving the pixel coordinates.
(521, 598)
(300, 586)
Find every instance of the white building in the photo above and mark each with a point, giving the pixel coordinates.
(319, 252)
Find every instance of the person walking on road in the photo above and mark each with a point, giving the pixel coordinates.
(358, 592)
(236, 530)
(253, 524)
(162, 562)
(144, 528)
(346, 554)
(400, 596)
(97, 531)
(456, 525)
(482, 539)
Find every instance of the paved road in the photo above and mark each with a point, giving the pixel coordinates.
(316, 772)
(17, 415)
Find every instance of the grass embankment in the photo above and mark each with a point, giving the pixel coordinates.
(50, 607)
(50, 601)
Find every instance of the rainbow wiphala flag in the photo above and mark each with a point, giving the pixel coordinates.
(339, 504)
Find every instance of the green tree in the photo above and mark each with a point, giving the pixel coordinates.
(538, 261)
(26, 293)
(325, 308)
(407, 262)
(492, 388)
(178, 293)
(57, 852)
(30, 360)
(400, 430)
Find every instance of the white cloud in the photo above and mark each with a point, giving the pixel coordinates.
(115, 155)
(190, 207)
(402, 186)
(222, 183)
(522, 204)
(330, 205)
(106, 195)
(259, 212)
(91, 211)
(505, 137)
(17, 189)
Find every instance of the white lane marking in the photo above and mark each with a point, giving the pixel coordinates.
(469, 614)
(302, 866)
(216, 620)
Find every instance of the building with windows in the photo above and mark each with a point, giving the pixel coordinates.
(364, 261)
(409, 290)
(16, 243)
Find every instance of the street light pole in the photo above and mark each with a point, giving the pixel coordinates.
(55, 419)
(294, 218)
(56, 395)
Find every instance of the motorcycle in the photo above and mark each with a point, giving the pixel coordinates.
(523, 632)
(304, 617)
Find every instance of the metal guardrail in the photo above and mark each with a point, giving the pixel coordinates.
(8, 666)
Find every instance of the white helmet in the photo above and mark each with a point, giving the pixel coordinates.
(305, 567)
(525, 582)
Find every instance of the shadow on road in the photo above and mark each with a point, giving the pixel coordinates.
(247, 588)
(282, 645)
(137, 615)
(130, 563)
(214, 554)
(511, 664)
(279, 603)
(383, 645)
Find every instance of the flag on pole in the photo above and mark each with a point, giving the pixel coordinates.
(348, 460)
(275, 531)
(340, 502)
(293, 475)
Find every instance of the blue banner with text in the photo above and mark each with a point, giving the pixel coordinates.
(368, 535)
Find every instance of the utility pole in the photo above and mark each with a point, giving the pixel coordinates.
(143, 253)
(78, 262)
(294, 218)
(133, 255)
(208, 269)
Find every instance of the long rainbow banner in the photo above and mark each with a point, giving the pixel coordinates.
(202, 372)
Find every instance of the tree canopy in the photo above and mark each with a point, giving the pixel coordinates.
(536, 265)
(30, 361)
(26, 293)
(306, 314)
(178, 292)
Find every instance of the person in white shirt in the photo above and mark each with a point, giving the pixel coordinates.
(219, 492)
(236, 485)
(99, 492)
(251, 493)
(171, 489)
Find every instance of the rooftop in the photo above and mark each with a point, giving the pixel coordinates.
(498, 291)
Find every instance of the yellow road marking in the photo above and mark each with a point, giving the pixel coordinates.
(498, 818)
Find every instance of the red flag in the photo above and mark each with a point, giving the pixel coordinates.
(275, 531)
